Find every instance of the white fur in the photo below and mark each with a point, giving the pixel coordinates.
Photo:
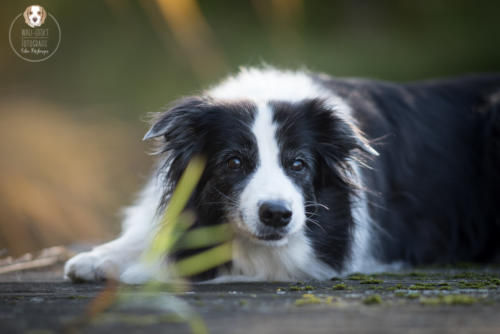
(269, 182)
(34, 14)
(261, 85)
(361, 258)
(290, 259)
(111, 259)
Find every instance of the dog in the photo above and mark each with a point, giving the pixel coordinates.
(320, 176)
(34, 16)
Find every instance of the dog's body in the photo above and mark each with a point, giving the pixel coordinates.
(321, 177)
(34, 16)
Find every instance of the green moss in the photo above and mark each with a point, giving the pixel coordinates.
(412, 295)
(358, 277)
(371, 281)
(308, 299)
(301, 288)
(450, 300)
(474, 285)
(494, 281)
(400, 294)
(377, 287)
(340, 286)
(468, 275)
(242, 302)
(430, 286)
(372, 300)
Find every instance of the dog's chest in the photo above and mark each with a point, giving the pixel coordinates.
(294, 261)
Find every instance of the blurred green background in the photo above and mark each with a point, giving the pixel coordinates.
(70, 127)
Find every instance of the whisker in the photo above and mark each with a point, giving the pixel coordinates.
(315, 222)
(309, 204)
(231, 200)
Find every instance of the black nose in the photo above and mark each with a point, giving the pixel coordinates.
(35, 19)
(275, 213)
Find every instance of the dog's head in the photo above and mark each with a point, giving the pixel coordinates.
(35, 15)
(267, 160)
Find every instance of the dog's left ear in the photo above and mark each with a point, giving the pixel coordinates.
(337, 134)
(44, 15)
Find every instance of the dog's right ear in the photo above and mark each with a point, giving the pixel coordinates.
(178, 121)
(182, 129)
(26, 17)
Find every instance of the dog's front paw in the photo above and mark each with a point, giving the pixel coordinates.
(90, 266)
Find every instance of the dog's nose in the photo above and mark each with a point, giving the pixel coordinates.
(275, 213)
(35, 19)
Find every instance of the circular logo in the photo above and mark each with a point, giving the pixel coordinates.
(35, 34)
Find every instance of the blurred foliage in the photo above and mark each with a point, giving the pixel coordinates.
(70, 151)
(159, 293)
(131, 56)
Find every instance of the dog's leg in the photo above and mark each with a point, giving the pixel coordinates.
(110, 260)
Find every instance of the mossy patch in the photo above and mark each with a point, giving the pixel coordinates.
(430, 286)
(340, 286)
(468, 275)
(450, 300)
(474, 285)
(373, 300)
(417, 274)
(494, 281)
(358, 277)
(310, 299)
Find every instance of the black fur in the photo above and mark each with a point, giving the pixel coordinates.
(436, 182)
(433, 191)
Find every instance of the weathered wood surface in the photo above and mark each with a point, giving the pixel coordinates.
(430, 301)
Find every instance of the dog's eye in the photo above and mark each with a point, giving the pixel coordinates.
(234, 163)
(31, 12)
(297, 165)
(38, 13)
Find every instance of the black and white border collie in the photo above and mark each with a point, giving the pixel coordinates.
(321, 177)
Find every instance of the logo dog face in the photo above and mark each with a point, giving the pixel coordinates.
(35, 16)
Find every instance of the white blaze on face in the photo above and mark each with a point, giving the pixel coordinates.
(269, 181)
(35, 16)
